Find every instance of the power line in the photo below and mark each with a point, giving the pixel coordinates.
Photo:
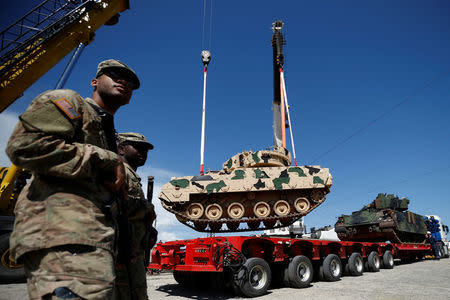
(407, 98)
(375, 189)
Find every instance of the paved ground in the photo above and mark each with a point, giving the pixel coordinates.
(421, 280)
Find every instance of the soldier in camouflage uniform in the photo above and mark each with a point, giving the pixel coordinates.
(133, 148)
(63, 231)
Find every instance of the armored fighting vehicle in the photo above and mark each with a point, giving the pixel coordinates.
(253, 187)
(385, 219)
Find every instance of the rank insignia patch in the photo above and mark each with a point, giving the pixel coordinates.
(67, 108)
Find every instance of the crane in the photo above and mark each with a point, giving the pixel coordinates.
(40, 39)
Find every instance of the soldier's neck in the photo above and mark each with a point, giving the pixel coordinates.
(111, 108)
(126, 161)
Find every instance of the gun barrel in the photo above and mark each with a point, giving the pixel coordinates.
(150, 181)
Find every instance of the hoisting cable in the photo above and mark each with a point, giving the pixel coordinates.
(283, 86)
(283, 114)
(206, 58)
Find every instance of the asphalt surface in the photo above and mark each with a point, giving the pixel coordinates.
(427, 279)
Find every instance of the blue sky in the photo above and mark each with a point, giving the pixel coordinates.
(346, 64)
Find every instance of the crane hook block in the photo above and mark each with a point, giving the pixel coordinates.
(206, 57)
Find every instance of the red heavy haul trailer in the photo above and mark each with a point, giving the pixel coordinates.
(249, 264)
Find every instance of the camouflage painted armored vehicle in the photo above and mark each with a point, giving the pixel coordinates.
(385, 219)
(253, 187)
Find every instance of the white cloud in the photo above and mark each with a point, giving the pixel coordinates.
(7, 123)
(165, 236)
(169, 228)
(164, 218)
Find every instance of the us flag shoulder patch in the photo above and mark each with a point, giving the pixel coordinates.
(67, 108)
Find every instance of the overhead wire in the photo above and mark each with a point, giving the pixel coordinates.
(421, 175)
(407, 98)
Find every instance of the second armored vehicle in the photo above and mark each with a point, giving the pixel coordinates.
(385, 219)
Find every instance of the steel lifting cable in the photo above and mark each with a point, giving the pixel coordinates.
(283, 88)
(206, 58)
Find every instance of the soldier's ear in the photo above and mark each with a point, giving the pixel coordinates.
(121, 149)
(94, 82)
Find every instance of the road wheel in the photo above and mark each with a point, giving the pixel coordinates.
(195, 211)
(373, 262)
(388, 260)
(302, 205)
(261, 209)
(213, 211)
(254, 277)
(10, 271)
(332, 268)
(300, 272)
(355, 264)
(281, 208)
(235, 210)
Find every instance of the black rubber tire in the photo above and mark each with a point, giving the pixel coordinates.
(300, 272)
(285, 275)
(254, 277)
(388, 260)
(373, 262)
(355, 264)
(185, 278)
(441, 249)
(332, 268)
(10, 271)
(446, 253)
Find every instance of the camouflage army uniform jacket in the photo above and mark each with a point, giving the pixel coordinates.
(139, 210)
(60, 139)
(137, 203)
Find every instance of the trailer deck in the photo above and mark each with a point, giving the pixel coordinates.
(248, 263)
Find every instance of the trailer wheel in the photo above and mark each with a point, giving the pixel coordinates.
(355, 264)
(332, 268)
(446, 254)
(254, 278)
(300, 272)
(388, 260)
(184, 278)
(441, 249)
(10, 271)
(286, 276)
(373, 262)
